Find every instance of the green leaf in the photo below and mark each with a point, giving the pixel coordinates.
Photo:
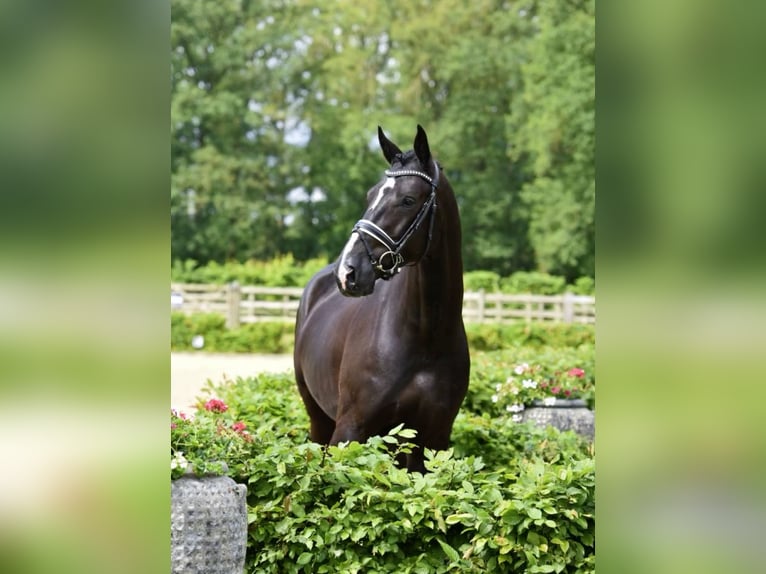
(449, 551)
(534, 513)
(463, 517)
(304, 558)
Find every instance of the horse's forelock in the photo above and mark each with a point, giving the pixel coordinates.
(402, 160)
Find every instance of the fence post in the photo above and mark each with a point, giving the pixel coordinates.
(234, 297)
(567, 308)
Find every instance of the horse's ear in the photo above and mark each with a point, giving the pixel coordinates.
(390, 149)
(421, 147)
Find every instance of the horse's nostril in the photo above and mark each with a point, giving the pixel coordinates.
(351, 276)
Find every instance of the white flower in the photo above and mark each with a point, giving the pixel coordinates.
(529, 384)
(549, 401)
(494, 398)
(509, 380)
(520, 369)
(515, 408)
(517, 418)
(498, 386)
(178, 461)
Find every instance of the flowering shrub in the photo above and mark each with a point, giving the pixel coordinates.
(506, 498)
(208, 441)
(528, 383)
(490, 391)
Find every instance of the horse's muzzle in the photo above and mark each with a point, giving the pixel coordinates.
(351, 284)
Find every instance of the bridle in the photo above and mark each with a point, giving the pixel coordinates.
(365, 227)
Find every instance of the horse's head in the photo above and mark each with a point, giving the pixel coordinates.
(396, 228)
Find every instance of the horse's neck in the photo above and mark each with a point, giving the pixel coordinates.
(435, 285)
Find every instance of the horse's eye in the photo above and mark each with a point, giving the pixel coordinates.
(408, 201)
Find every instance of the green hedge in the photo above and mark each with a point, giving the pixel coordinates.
(278, 337)
(507, 498)
(282, 271)
(285, 271)
(261, 337)
(490, 337)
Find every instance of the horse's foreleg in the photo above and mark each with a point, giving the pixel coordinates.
(435, 437)
(346, 430)
(322, 426)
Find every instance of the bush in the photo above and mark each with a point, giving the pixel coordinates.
(584, 286)
(260, 337)
(533, 282)
(493, 368)
(489, 281)
(282, 271)
(494, 336)
(508, 497)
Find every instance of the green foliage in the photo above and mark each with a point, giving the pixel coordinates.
(507, 497)
(281, 271)
(260, 337)
(493, 369)
(489, 281)
(552, 124)
(494, 336)
(184, 327)
(274, 106)
(533, 282)
(584, 286)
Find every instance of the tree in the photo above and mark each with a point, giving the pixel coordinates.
(275, 106)
(554, 126)
(229, 119)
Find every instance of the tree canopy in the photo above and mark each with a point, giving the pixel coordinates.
(275, 105)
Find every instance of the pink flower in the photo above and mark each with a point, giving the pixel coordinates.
(216, 406)
(575, 372)
(238, 426)
(173, 425)
(567, 392)
(555, 390)
(544, 384)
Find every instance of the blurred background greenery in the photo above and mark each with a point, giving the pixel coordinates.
(275, 106)
(85, 102)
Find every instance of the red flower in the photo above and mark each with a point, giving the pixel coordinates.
(567, 392)
(238, 426)
(555, 390)
(216, 406)
(579, 373)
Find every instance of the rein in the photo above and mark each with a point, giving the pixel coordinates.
(365, 227)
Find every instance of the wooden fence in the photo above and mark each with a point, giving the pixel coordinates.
(248, 304)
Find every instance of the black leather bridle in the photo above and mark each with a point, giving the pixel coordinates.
(365, 227)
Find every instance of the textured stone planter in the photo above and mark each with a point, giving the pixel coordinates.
(564, 414)
(208, 525)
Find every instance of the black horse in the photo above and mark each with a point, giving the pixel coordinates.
(372, 354)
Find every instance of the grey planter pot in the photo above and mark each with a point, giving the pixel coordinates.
(208, 525)
(564, 414)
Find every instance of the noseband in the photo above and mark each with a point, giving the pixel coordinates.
(365, 227)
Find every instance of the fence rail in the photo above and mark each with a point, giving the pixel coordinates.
(249, 304)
